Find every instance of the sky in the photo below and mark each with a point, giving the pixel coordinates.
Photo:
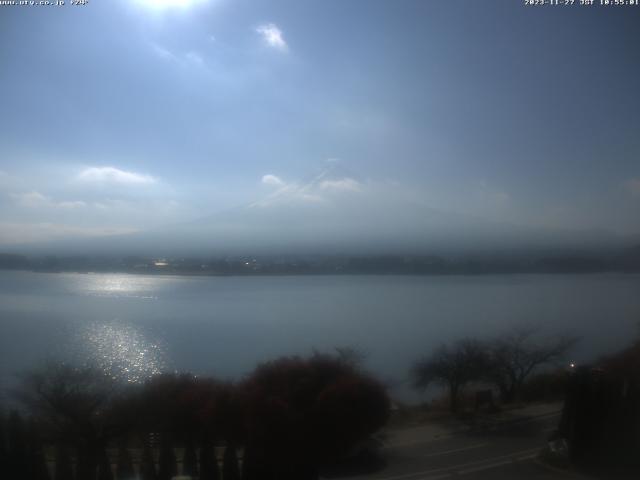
(122, 116)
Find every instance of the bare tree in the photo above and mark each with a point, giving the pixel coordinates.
(351, 355)
(515, 356)
(70, 400)
(452, 366)
(74, 404)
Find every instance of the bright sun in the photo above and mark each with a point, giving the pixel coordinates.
(161, 4)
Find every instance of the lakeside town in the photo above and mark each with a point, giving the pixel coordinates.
(621, 260)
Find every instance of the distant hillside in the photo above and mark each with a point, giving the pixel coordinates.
(337, 212)
(550, 262)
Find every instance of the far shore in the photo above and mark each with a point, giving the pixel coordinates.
(196, 273)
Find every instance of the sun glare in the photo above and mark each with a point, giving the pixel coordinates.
(162, 4)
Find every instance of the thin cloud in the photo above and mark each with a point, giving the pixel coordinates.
(115, 176)
(343, 184)
(316, 191)
(29, 199)
(38, 200)
(195, 58)
(163, 53)
(272, 180)
(71, 204)
(21, 233)
(272, 36)
(191, 57)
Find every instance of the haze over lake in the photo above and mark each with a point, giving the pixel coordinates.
(138, 325)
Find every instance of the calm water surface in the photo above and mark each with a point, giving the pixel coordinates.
(135, 325)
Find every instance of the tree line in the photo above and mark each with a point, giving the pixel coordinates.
(290, 418)
(505, 362)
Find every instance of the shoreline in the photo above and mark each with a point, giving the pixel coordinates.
(318, 273)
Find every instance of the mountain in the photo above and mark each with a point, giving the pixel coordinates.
(337, 211)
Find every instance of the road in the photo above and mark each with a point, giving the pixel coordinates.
(507, 451)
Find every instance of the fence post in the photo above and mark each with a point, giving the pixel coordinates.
(230, 470)
(209, 469)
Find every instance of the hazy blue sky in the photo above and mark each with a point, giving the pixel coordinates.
(127, 114)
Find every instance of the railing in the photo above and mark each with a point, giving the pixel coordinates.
(163, 463)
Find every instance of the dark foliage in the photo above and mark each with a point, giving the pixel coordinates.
(250, 470)
(17, 446)
(452, 366)
(187, 407)
(104, 466)
(601, 415)
(226, 415)
(506, 362)
(87, 465)
(291, 416)
(37, 461)
(63, 469)
(302, 413)
(546, 386)
(74, 406)
(190, 461)
(124, 466)
(4, 454)
(514, 357)
(209, 469)
(230, 470)
(167, 466)
(147, 465)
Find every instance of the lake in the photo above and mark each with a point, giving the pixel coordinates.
(136, 325)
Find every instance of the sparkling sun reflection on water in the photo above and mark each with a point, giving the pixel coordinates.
(120, 350)
(121, 285)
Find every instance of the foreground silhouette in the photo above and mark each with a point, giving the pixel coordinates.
(288, 420)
